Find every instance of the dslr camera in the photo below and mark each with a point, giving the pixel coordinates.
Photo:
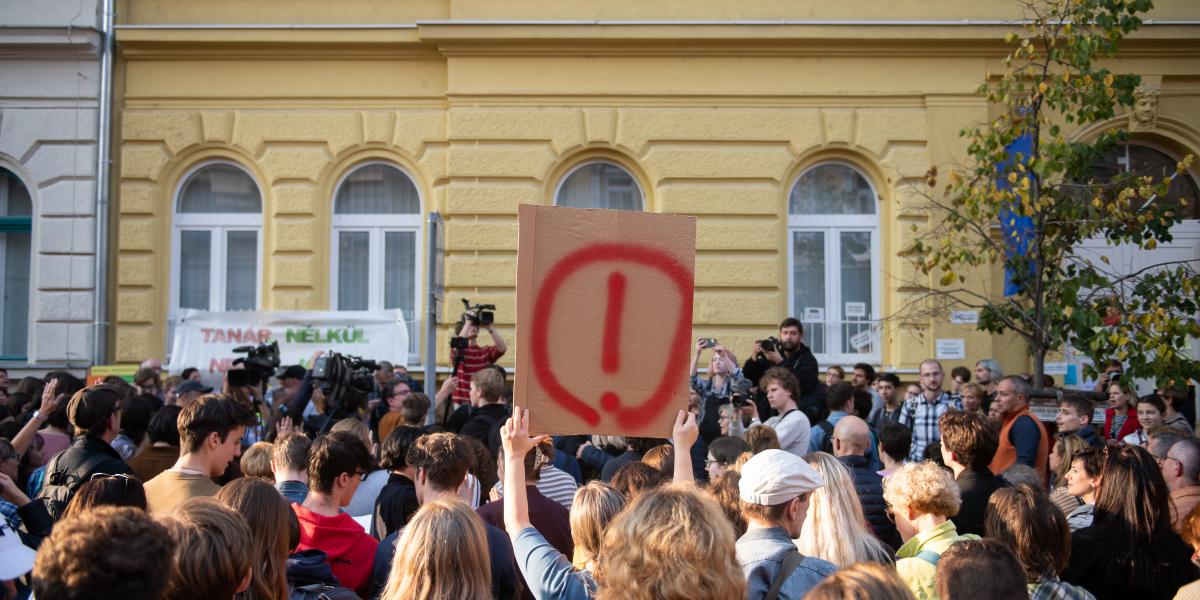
(478, 314)
(260, 364)
(770, 344)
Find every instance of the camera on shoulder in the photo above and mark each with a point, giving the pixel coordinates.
(259, 364)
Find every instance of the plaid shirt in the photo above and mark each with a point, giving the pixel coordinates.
(1053, 589)
(921, 416)
(9, 510)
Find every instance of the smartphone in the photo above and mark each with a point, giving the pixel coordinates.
(708, 342)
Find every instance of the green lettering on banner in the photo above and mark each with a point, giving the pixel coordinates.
(348, 335)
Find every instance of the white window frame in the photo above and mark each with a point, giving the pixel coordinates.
(637, 184)
(833, 226)
(376, 226)
(219, 225)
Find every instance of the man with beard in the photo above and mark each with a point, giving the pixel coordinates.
(791, 354)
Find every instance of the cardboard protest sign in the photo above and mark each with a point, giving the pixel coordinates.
(604, 319)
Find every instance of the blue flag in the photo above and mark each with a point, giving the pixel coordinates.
(1016, 229)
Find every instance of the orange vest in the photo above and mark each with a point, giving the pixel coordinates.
(1006, 454)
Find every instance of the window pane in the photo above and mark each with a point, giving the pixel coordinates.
(808, 260)
(220, 189)
(399, 278)
(832, 190)
(16, 293)
(353, 270)
(377, 189)
(600, 185)
(195, 265)
(14, 198)
(241, 270)
(856, 288)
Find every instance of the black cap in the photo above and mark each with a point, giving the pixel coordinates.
(191, 385)
(293, 372)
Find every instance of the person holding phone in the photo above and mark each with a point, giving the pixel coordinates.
(718, 389)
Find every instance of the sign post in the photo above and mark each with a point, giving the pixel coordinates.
(604, 319)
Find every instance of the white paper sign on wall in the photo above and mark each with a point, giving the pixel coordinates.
(814, 314)
(964, 317)
(856, 310)
(951, 348)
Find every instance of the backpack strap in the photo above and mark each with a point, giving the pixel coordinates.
(790, 562)
(929, 556)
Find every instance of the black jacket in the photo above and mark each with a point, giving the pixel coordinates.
(1097, 564)
(396, 504)
(484, 425)
(803, 365)
(76, 465)
(311, 568)
(869, 486)
(976, 487)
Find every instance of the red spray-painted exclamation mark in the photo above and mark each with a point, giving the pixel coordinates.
(610, 357)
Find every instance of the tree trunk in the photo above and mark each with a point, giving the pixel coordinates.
(1039, 368)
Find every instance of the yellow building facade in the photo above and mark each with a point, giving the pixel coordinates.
(714, 109)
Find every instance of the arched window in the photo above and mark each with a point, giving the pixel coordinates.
(376, 231)
(833, 226)
(16, 228)
(217, 240)
(1141, 159)
(599, 184)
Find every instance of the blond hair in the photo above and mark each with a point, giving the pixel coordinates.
(833, 528)
(357, 427)
(256, 461)
(924, 487)
(862, 581)
(594, 507)
(442, 555)
(670, 543)
(761, 437)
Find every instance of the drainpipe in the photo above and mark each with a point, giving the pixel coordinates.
(103, 172)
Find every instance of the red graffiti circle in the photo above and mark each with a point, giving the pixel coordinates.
(677, 362)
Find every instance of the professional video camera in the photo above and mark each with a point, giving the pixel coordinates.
(478, 314)
(345, 380)
(260, 364)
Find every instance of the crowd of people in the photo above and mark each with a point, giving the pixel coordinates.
(779, 482)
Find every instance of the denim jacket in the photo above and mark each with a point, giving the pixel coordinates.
(761, 552)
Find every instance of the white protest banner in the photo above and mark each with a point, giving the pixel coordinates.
(205, 340)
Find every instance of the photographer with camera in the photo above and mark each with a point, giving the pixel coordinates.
(466, 353)
(788, 352)
(723, 386)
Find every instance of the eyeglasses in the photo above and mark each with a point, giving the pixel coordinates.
(362, 475)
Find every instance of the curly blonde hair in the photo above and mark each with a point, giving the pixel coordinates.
(924, 487)
(671, 543)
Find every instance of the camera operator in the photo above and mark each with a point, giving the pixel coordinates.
(788, 352)
(474, 357)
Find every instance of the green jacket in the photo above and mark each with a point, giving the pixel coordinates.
(919, 573)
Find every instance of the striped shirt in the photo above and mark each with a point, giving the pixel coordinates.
(921, 416)
(555, 484)
(474, 359)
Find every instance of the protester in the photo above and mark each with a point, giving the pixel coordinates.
(969, 442)
(210, 434)
(861, 581)
(922, 412)
(78, 562)
(840, 403)
(1150, 411)
(163, 450)
(724, 490)
(474, 357)
(363, 502)
(1075, 417)
(987, 374)
(189, 391)
(776, 488)
(895, 442)
(94, 414)
(337, 464)
(1065, 446)
(1083, 481)
(792, 354)
(1023, 438)
(397, 501)
(107, 490)
(1025, 521)
(887, 386)
(256, 461)
(761, 437)
(442, 555)
(1120, 418)
(851, 440)
(972, 398)
(633, 479)
(834, 526)
(791, 425)
(834, 375)
(722, 453)
(488, 409)
(439, 463)
(922, 497)
(1181, 472)
(136, 412)
(980, 570)
(1130, 547)
(1190, 532)
(266, 513)
(213, 557)
(1173, 398)
(660, 458)
(289, 465)
(718, 388)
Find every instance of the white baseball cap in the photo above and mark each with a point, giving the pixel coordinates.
(16, 559)
(775, 476)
